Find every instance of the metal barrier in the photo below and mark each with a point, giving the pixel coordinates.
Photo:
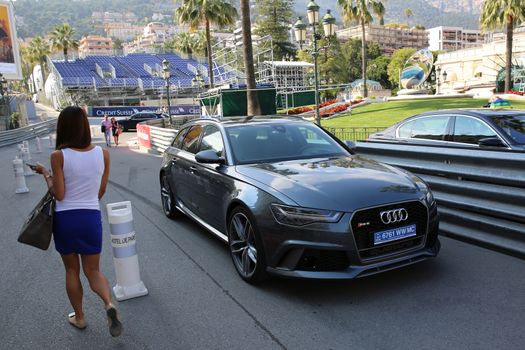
(480, 193)
(354, 134)
(14, 136)
(160, 137)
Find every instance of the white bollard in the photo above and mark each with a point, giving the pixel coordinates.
(18, 166)
(129, 285)
(26, 157)
(26, 144)
(38, 145)
(51, 141)
(93, 131)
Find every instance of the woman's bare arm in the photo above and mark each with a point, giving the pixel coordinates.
(105, 176)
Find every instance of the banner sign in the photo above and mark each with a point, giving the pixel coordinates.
(126, 111)
(144, 136)
(9, 54)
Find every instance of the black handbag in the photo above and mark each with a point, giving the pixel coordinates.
(38, 227)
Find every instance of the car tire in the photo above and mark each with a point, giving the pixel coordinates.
(168, 199)
(246, 249)
(124, 129)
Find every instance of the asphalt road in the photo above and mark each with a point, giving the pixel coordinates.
(467, 298)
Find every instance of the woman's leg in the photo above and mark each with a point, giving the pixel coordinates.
(97, 281)
(73, 284)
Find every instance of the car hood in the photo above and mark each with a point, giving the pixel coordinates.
(341, 183)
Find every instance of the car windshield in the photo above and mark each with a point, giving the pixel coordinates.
(272, 142)
(513, 126)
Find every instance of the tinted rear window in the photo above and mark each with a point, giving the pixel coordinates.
(513, 126)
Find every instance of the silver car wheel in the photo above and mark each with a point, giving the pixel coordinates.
(242, 244)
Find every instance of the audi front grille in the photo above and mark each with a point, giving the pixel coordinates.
(366, 222)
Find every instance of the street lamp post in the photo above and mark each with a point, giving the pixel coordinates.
(166, 75)
(444, 76)
(328, 22)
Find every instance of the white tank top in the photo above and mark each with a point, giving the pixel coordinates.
(82, 177)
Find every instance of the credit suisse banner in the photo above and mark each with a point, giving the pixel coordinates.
(144, 135)
(126, 111)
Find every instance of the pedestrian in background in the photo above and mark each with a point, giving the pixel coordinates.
(116, 130)
(106, 129)
(78, 180)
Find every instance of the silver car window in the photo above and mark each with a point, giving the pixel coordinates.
(429, 128)
(471, 130)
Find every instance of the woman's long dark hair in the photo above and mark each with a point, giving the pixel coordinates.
(73, 129)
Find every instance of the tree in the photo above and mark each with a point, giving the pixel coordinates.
(408, 13)
(273, 18)
(62, 38)
(378, 70)
(252, 100)
(497, 14)
(28, 60)
(397, 62)
(360, 11)
(39, 48)
(183, 42)
(207, 12)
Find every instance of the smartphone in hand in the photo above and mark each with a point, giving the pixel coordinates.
(31, 165)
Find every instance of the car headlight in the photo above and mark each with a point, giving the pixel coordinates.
(423, 187)
(297, 216)
(430, 198)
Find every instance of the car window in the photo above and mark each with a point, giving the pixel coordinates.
(212, 139)
(271, 142)
(513, 126)
(429, 128)
(470, 130)
(191, 139)
(177, 142)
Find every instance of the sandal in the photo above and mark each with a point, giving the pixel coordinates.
(115, 327)
(80, 324)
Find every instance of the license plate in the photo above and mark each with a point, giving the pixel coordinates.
(394, 234)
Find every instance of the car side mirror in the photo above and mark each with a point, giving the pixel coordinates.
(491, 142)
(209, 157)
(351, 146)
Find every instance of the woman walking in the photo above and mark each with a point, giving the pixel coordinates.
(78, 180)
(116, 130)
(106, 129)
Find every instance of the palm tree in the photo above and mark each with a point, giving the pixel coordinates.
(39, 48)
(379, 10)
(62, 39)
(359, 10)
(28, 60)
(253, 107)
(184, 42)
(207, 12)
(408, 13)
(497, 14)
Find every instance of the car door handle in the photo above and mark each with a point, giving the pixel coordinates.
(193, 169)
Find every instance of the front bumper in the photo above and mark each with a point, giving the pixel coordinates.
(355, 271)
(334, 251)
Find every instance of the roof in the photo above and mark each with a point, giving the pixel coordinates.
(290, 63)
(255, 120)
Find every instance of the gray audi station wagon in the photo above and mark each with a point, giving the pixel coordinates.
(292, 200)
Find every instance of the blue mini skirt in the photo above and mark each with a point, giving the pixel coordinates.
(78, 231)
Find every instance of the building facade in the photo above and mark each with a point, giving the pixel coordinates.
(454, 38)
(388, 38)
(479, 68)
(92, 45)
(122, 31)
(154, 35)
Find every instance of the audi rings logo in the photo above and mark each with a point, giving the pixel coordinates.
(392, 216)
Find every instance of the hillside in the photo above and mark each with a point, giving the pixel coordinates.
(38, 17)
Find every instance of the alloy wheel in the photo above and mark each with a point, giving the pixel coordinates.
(242, 244)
